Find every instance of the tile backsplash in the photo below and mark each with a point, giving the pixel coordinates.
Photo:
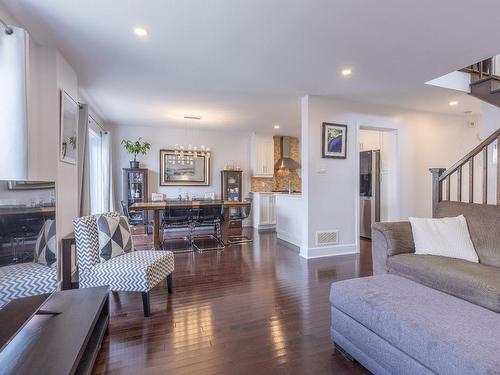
(281, 177)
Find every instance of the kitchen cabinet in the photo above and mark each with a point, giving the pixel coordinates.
(264, 210)
(262, 155)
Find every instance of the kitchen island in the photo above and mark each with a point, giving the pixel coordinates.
(289, 217)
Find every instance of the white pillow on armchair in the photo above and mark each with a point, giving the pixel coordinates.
(447, 237)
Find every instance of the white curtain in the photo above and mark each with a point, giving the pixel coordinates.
(13, 105)
(107, 162)
(99, 168)
(83, 162)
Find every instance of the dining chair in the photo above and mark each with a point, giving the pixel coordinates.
(208, 216)
(239, 214)
(177, 218)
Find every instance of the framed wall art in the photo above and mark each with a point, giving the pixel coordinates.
(68, 146)
(334, 141)
(177, 170)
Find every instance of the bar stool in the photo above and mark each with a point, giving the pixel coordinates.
(239, 214)
(206, 216)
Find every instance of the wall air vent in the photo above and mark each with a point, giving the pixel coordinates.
(327, 237)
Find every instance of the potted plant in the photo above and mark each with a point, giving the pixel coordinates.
(136, 148)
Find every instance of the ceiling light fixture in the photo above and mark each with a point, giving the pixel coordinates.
(453, 103)
(277, 126)
(139, 31)
(346, 72)
(192, 117)
(186, 155)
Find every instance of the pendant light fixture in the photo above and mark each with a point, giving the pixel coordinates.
(185, 155)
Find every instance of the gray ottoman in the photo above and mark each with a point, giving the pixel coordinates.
(392, 325)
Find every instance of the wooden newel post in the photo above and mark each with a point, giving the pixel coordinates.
(437, 192)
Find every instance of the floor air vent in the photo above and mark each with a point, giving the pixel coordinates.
(327, 237)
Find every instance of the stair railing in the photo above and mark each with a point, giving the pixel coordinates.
(481, 70)
(441, 178)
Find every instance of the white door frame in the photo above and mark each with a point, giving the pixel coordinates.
(381, 128)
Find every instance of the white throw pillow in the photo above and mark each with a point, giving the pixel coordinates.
(447, 237)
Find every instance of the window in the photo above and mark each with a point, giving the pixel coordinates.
(96, 189)
(99, 160)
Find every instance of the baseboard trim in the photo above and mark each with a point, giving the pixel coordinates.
(266, 228)
(288, 237)
(328, 251)
(289, 245)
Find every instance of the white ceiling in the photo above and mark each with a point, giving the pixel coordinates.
(245, 64)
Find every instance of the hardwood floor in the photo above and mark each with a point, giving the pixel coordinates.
(251, 309)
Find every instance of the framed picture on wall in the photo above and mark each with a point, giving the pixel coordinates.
(334, 141)
(68, 146)
(177, 170)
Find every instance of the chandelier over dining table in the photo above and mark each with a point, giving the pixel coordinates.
(185, 155)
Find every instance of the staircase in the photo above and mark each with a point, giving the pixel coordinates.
(485, 83)
(461, 178)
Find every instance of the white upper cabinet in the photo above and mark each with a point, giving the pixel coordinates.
(262, 155)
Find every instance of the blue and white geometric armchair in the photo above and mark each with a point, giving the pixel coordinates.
(97, 239)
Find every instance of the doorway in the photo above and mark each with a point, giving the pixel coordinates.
(378, 178)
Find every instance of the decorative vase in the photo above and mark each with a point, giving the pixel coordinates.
(134, 164)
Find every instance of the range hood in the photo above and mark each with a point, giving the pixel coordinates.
(285, 161)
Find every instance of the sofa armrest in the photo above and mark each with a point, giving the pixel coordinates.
(390, 239)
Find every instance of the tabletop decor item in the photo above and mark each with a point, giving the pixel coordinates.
(334, 141)
(136, 148)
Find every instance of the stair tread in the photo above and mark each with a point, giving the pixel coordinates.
(487, 79)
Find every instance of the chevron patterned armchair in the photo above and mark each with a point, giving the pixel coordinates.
(134, 271)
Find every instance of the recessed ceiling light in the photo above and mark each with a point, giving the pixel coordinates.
(277, 126)
(453, 103)
(346, 72)
(139, 31)
(192, 117)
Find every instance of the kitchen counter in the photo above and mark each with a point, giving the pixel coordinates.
(289, 217)
(279, 211)
(277, 192)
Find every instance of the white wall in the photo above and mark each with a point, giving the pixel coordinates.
(425, 140)
(490, 122)
(49, 72)
(225, 146)
(67, 179)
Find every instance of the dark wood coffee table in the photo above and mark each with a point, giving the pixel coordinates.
(63, 343)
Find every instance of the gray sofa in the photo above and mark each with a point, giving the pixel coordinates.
(393, 252)
(424, 314)
(393, 325)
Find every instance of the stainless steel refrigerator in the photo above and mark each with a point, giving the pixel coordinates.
(369, 190)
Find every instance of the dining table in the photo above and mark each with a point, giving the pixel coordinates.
(158, 207)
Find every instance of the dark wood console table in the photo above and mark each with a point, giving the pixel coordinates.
(66, 343)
